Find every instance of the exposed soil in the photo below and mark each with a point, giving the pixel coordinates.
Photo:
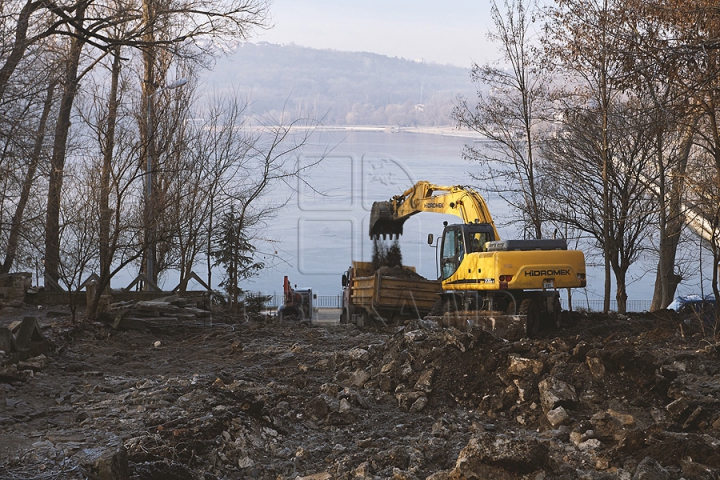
(634, 396)
(400, 272)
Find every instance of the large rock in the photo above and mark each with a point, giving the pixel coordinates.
(13, 287)
(105, 463)
(500, 456)
(556, 393)
(596, 367)
(358, 378)
(558, 416)
(522, 367)
(424, 382)
(650, 469)
(612, 425)
(359, 355)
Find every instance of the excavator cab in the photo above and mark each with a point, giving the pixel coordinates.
(459, 240)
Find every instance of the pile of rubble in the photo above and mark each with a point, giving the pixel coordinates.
(611, 397)
(167, 311)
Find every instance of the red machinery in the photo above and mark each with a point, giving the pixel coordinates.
(297, 302)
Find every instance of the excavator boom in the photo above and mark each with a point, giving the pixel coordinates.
(387, 218)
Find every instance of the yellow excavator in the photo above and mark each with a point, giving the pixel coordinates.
(508, 286)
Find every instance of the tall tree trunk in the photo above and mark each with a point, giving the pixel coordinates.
(671, 224)
(19, 45)
(106, 251)
(16, 226)
(605, 154)
(621, 295)
(149, 88)
(57, 163)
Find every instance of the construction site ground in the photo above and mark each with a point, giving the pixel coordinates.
(632, 396)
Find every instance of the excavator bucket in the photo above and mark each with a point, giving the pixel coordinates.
(382, 222)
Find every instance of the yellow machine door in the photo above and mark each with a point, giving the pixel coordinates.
(458, 240)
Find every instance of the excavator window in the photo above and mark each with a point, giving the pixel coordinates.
(458, 240)
(478, 241)
(453, 251)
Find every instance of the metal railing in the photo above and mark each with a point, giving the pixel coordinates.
(596, 305)
(321, 301)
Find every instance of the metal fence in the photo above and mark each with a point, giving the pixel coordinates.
(592, 305)
(322, 301)
(596, 305)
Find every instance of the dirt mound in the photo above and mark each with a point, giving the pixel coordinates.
(611, 396)
(399, 272)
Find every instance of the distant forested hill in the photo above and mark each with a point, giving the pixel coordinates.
(342, 88)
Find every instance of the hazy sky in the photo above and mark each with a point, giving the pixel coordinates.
(451, 32)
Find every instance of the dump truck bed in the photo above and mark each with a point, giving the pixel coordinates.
(396, 293)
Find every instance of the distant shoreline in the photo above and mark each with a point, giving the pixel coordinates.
(447, 131)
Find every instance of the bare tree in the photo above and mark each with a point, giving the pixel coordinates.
(30, 173)
(268, 157)
(578, 175)
(510, 115)
(70, 80)
(582, 38)
(206, 169)
(661, 51)
(704, 196)
(116, 177)
(79, 234)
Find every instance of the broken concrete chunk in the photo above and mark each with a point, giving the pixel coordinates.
(104, 463)
(677, 407)
(358, 378)
(555, 393)
(389, 367)
(591, 444)
(521, 367)
(419, 404)
(35, 364)
(344, 406)
(558, 416)
(424, 382)
(517, 454)
(612, 425)
(650, 469)
(415, 336)
(597, 368)
(624, 419)
(406, 399)
(359, 355)
(405, 371)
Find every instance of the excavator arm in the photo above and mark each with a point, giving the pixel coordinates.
(387, 218)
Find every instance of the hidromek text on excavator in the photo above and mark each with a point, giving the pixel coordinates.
(510, 287)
